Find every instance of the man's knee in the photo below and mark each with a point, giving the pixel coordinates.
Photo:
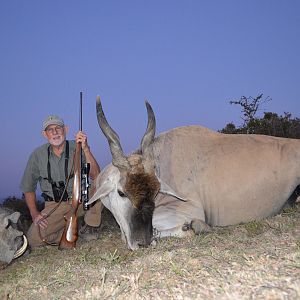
(33, 237)
(93, 216)
(38, 237)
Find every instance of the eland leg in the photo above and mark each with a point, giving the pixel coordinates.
(197, 226)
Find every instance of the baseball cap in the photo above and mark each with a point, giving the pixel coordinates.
(53, 120)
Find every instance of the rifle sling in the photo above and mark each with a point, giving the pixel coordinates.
(66, 163)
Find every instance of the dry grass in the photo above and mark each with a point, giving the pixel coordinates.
(259, 260)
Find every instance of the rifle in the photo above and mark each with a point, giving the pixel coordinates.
(79, 192)
(85, 169)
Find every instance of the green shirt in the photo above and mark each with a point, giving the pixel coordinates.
(36, 169)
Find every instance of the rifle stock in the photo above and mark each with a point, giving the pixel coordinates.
(70, 234)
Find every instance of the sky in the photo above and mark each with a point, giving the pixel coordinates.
(187, 58)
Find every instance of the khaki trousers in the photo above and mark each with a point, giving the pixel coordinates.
(56, 222)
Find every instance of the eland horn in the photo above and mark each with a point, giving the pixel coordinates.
(119, 160)
(150, 131)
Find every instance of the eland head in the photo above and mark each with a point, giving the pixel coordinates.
(129, 185)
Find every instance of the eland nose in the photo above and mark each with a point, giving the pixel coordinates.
(144, 243)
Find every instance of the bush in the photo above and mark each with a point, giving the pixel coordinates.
(270, 124)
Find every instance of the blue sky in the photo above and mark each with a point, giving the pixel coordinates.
(188, 58)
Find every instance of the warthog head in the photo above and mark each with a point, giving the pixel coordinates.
(13, 242)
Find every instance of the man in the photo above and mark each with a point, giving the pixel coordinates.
(51, 166)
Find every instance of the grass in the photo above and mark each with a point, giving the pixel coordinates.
(254, 228)
(257, 260)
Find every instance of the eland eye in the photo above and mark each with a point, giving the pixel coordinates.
(121, 194)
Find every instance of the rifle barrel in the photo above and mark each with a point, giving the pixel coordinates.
(80, 112)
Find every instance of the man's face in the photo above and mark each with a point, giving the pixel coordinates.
(55, 134)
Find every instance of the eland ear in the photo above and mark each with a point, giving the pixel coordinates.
(101, 192)
(167, 190)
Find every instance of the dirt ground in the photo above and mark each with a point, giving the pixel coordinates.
(258, 260)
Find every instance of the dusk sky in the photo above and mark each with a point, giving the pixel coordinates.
(187, 58)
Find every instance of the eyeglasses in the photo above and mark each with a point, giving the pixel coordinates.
(58, 129)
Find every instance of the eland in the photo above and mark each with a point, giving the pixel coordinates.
(188, 179)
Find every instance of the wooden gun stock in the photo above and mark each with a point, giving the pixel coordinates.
(70, 234)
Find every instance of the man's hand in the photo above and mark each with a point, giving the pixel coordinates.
(81, 137)
(39, 220)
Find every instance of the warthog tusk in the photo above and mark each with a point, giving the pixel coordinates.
(22, 249)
